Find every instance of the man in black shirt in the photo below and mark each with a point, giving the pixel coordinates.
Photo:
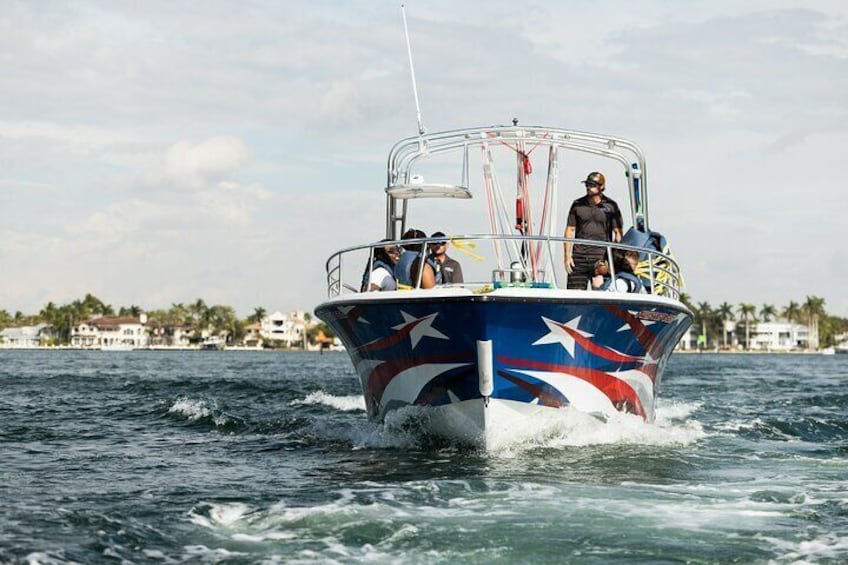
(593, 217)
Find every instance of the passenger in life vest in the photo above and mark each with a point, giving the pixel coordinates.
(431, 274)
(450, 268)
(379, 273)
(625, 281)
(410, 251)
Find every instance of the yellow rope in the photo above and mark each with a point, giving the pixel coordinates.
(465, 246)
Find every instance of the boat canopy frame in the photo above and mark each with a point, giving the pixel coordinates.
(403, 185)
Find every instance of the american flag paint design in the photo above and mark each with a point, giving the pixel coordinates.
(595, 357)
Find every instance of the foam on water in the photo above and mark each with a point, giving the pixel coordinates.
(353, 403)
(406, 427)
(829, 547)
(364, 434)
(195, 410)
(384, 520)
(192, 410)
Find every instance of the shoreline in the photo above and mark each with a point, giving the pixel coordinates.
(97, 349)
(242, 348)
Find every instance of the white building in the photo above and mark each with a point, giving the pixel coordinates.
(109, 331)
(162, 335)
(779, 336)
(289, 329)
(25, 336)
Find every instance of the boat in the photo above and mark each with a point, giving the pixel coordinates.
(117, 347)
(828, 351)
(213, 343)
(478, 360)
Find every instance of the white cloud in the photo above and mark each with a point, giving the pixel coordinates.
(153, 154)
(197, 166)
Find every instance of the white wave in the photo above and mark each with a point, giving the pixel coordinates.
(365, 434)
(192, 409)
(668, 411)
(755, 425)
(572, 428)
(343, 403)
(40, 558)
(408, 427)
(829, 547)
(203, 554)
(220, 515)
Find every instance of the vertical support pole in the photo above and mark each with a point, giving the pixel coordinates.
(485, 369)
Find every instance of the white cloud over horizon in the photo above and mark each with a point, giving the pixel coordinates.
(150, 154)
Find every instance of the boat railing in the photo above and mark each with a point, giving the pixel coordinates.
(493, 261)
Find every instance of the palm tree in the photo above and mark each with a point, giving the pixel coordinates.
(704, 311)
(200, 314)
(687, 301)
(748, 313)
(792, 313)
(48, 313)
(724, 310)
(179, 314)
(767, 311)
(258, 313)
(813, 309)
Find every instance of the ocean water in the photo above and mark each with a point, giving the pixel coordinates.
(267, 457)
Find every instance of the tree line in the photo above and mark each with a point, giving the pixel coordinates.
(220, 318)
(711, 322)
(199, 316)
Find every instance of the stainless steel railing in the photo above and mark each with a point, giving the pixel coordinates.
(490, 262)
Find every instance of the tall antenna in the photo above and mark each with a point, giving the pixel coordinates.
(421, 130)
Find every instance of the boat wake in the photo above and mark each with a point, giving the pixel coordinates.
(199, 411)
(409, 427)
(344, 403)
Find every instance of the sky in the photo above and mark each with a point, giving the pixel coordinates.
(155, 152)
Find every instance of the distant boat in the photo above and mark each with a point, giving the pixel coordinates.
(213, 343)
(117, 347)
(828, 351)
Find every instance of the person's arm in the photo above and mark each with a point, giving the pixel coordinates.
(428, 277)
(616, 235)
(377, 279)
(569, 260)
(617, 226)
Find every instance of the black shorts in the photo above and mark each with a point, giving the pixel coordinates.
(584, 269)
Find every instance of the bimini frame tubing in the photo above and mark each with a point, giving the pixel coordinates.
(404, 156)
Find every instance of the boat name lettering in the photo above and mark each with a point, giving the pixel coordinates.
(656, 316)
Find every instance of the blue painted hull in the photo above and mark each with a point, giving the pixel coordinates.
(591, 351)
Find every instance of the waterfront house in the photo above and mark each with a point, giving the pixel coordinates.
(289, 329)
(252, 335)
(110, 331)
(163, 334)
(779, 336)
(25, 336)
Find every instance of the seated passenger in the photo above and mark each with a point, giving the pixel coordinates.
(450, 268)
(431, 274)
(379, 272)
(403, 268)
(625, 281)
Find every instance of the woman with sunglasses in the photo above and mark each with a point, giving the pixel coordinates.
(379, 273)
